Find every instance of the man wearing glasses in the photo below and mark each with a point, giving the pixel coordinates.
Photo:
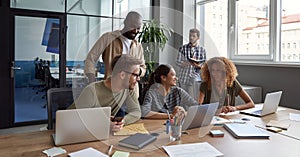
(115, 91)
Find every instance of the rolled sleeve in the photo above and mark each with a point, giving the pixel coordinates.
(133, 109)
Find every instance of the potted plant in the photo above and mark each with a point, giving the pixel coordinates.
(153, 38)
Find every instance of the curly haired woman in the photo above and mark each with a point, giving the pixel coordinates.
(219, 84)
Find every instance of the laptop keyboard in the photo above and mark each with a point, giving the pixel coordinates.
(258, 112)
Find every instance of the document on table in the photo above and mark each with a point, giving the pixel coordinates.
(188, 150)
(294, 116)
(88, 152)
(132, 129)
(219, 120)
(229, 113)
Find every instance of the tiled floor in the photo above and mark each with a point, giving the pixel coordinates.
(23, 129)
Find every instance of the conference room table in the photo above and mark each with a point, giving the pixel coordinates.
(285, 143)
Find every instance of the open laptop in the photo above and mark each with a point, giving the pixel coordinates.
(82, 125)
(199, 115)
(269, 106)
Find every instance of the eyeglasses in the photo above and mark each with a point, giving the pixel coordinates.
(134, 74)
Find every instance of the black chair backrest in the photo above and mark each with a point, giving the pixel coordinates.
(58, 99)
(39, 72)
(50, 81)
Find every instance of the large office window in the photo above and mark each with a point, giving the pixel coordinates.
(264, 30)
(249, 30)
(211, 17)
(252, 27)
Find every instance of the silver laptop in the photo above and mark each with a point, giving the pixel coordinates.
(269, 106)
(199, 115)
(82, 125)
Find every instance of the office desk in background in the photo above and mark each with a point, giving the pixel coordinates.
(76, 75)
(278, 145)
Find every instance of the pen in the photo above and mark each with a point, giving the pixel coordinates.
(109, 152)
(168, 114)
(168, 126)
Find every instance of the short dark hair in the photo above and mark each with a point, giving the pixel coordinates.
(195, 30)
(124, 62)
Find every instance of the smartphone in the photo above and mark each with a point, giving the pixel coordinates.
(117, 119)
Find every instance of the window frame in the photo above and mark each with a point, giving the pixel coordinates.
(274, 34)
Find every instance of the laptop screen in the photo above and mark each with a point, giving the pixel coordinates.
(82, 125)
(199, 115)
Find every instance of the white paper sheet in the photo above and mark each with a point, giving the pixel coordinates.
(88, 152)
(192, 150)
(295, 117)
(219, 120)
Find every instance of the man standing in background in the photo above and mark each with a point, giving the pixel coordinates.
(190, 59)
(116, 43)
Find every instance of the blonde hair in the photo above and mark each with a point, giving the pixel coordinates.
(230, 69)
(124, 62)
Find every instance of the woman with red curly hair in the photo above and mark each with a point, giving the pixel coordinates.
(219, 84)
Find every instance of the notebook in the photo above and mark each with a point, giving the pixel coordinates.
(196, 60)
(239, 130)
(199, 115)
(137, 141)
(82, 125)
(269, 106)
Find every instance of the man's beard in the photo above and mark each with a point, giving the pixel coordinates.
(131, 87)
(130, 35)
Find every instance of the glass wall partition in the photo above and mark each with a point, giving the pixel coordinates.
(82, 21)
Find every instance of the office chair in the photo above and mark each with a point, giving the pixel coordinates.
(39, 81)
(50, 81)
(58, 99)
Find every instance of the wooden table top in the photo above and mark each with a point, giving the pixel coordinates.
(32, 144)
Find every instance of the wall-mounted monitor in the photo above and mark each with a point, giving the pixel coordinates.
(51, 35)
